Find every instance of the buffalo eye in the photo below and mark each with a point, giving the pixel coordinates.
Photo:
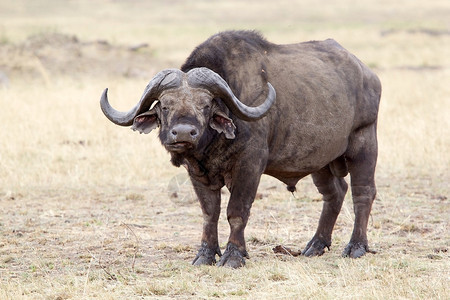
(165, 110)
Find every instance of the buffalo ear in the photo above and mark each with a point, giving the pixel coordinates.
(146, 122)
(221, 123)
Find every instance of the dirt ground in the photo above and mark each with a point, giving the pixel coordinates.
(128, 242)
(48, 55)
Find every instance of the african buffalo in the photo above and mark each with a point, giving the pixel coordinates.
(220, 117)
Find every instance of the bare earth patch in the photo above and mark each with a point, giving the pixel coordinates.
(133, 241)
(44, 56)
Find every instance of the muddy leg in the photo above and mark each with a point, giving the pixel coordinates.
(243, 190)
(210, 204)
(333, 190)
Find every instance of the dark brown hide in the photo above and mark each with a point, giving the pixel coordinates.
(322, 123)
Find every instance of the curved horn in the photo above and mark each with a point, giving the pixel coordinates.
(208, 79)
(166, 79)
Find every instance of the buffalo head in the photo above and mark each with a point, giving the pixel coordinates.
(184, 106)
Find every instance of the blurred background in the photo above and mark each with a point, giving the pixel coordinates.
(57, 56)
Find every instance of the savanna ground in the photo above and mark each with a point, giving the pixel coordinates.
(91, 210)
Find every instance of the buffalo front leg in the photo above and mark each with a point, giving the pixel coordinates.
(333, 190)
(361, 162)
(243, 190)
(210, 204)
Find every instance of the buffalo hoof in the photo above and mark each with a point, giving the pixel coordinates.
(355, 250)
(316, 247)
(232, 257)
(206, 256)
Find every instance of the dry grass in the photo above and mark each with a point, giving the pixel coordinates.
(88, 209)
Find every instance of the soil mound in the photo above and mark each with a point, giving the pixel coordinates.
(55, 54)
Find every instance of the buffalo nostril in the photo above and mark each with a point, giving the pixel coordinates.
(184, 132)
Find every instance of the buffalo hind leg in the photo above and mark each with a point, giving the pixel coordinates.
(333, 191)
(362, 158)
(210, 204)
